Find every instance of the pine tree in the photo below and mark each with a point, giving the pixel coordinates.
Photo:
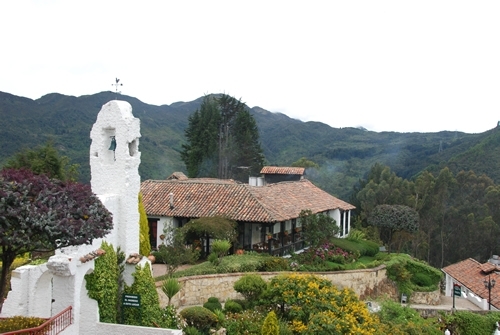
(222, 140)
(200, 153)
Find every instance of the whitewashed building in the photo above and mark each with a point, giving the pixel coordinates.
(267, 214)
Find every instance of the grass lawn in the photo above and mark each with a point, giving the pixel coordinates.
(249, 262)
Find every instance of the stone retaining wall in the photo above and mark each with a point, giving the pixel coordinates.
(426, 298)
(366, 283)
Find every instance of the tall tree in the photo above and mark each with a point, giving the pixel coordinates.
(318, 228)
(248, 158)
(305, 163)
(382, 187)
(200, 153)
(393, 218)
(229, 107)
(222, 140)
(44, 159)
(41, 213)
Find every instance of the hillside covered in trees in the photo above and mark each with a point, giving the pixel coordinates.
(344, 155)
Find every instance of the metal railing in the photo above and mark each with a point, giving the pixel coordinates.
(287, 248)
(52, 326)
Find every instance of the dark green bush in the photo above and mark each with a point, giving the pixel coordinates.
(212, 304)
(102, 284)
(417, 267)
(232, 306)
(248, 267)
(421, 279)
(251, 286)
(464, 322)
(191, 331)
(199, 317)
(403, 268)
(245, 304)
(272, 264)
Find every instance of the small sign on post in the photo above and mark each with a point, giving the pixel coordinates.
(132, 300)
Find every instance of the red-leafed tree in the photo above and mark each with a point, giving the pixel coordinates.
(37, 212)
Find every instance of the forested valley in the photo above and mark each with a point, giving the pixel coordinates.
(459, 214)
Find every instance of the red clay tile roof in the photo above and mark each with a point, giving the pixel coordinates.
(282, 170)
(211, 197)
(470, 274)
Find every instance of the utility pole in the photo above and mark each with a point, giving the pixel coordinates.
(489, 284)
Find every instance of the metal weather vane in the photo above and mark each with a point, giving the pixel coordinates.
(116, 84)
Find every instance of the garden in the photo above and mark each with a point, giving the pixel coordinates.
(293, 302)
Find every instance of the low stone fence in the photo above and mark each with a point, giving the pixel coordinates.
(366, 283)
(426, 298)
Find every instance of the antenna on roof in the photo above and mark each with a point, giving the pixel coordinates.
(116, 84)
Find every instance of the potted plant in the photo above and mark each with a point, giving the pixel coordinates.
(269, 236)
(239, 250)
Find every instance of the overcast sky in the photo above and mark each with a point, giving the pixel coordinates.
(398, 65)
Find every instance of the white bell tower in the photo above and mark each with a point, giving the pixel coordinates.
(114, 167)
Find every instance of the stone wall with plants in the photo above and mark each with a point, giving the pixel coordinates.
(366, 283)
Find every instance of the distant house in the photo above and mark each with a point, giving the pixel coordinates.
(473, 278)
(267, 215)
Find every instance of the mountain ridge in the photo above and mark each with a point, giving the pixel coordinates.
(344, 154)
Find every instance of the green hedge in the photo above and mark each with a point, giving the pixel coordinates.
(149, 313)
(232, 306)
(102, 284)
(213, 304)
(463, 322)
(199, 317)
(408, 273)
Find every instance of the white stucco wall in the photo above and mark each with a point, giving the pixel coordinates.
(31, 292)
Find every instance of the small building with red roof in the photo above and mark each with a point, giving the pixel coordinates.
(478, 281)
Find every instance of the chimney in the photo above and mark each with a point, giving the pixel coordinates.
(494, 260)
(171, 195)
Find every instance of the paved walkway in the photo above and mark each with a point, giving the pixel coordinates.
(447, 304)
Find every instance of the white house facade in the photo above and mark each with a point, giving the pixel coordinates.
(267, 215)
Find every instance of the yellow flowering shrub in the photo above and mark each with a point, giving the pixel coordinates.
(315, 306)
